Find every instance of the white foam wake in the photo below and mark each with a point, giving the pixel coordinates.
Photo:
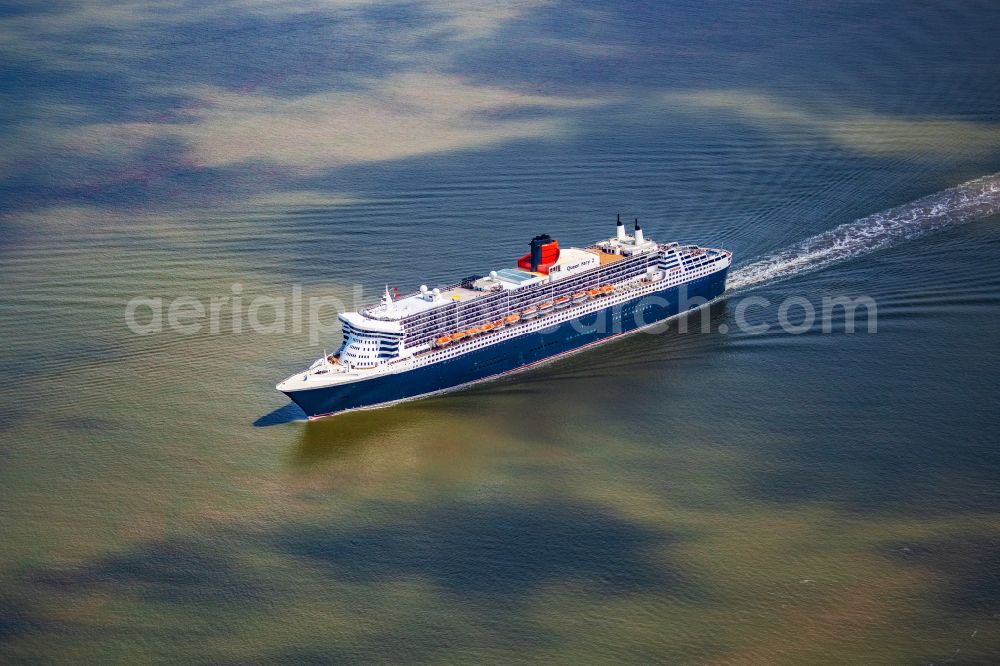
(956, 205)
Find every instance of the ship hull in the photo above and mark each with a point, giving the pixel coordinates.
(509, 355)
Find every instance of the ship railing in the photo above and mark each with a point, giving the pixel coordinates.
(541, 293)
(634, 285)
(378, 310)
(618, 290)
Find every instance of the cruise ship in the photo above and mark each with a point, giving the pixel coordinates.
(551, 302)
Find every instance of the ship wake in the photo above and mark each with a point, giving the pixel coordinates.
(948, 208)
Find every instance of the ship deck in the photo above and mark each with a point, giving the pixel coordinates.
(605, 257)
(414, 303)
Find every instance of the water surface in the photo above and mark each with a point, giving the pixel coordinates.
(676, 498)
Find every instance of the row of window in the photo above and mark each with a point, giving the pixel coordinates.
(491, 339)
(423, 327)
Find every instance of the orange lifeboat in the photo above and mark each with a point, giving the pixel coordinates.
(579, 297)
(486, 328)
(443, 340)
(498, 323)
(593, 292)
(512, 319)
(561, 301)
(529, 313)
(457, 336)
(607, 289)
(473, 331)
(542, 307)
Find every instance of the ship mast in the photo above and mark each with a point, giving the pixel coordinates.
(390, 307)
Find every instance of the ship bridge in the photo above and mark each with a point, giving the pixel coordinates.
(368, 342)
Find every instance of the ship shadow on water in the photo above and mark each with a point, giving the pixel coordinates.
(284, 414)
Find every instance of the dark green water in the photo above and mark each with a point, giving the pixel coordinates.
(680, 497)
